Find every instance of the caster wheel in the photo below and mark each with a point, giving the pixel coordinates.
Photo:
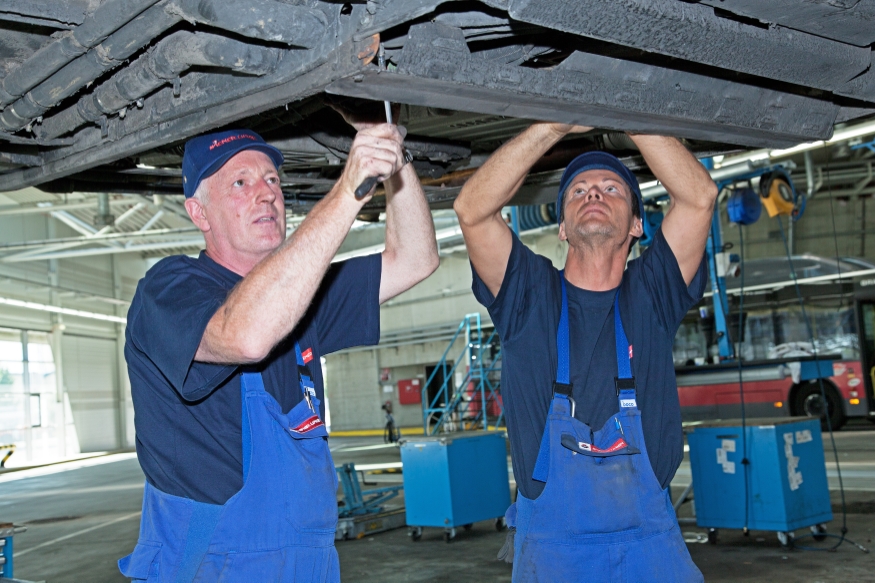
(449, 534)
(818, 531)
(415, 533)
(500, 524)
(786, 539)
(712, 536)
(468, 527)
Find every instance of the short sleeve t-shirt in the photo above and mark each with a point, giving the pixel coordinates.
(653, 301)
(188, 415)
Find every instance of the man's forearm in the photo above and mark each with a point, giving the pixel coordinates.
(685, 179)
(411, 250)
(495, 183)
(692, 193)
(283, 285)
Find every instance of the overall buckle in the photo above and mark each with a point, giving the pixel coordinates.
(624, 384)
(565, 390)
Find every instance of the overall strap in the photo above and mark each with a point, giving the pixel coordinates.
(562, 341)
(562, 388)
(249, 381)
(625, 382)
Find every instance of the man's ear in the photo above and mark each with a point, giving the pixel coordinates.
(562, 235)
(197, 213)
(637, 228)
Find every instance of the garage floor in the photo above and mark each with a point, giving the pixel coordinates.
(81, 520)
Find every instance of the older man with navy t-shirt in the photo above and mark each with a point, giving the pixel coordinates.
(223, 354)
(588, 380)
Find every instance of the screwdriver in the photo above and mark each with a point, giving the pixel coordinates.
(369, 183)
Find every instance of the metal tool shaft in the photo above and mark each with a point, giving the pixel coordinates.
(369, 183)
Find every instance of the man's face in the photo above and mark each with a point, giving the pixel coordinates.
(598, 206)
(244, 211)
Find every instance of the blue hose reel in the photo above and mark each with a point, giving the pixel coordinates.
(744, 206)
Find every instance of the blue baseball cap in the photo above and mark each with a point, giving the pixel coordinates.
(204, 155)
(596, 161)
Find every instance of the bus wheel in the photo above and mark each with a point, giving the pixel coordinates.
(809, 402)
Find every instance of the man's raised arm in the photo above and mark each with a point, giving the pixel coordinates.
(692, 194)
(480, 202)
(411, 250)
(267, 304)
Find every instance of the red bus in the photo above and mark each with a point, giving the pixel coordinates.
(777, 347)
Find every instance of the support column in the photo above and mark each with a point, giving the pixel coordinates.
(28, 425)
(57, 342)
(121, 380)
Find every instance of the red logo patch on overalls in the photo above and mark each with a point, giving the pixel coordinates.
(310, 424)
(307, 355)
(618, 445)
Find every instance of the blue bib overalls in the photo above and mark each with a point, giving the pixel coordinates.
(602, 516)
(278, 527)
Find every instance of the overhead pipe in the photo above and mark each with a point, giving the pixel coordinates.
(268, 20)
(160, 66)
(76, 75)
(49, 58)
(656, 190)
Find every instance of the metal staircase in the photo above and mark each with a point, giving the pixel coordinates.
(476, 402)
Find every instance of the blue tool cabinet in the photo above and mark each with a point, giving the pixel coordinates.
(455, 480)
(787, 485)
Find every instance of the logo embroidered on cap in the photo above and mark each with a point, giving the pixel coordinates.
(307, 355)
(222, 142)
(310, 424)
(618, 445)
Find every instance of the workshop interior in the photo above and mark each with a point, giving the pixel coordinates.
(775, 366)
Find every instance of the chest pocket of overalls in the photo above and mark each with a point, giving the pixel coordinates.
(309, 477)
(603, 479)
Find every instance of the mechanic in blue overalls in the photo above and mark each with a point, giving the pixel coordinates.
(223, 354)
(587, 377)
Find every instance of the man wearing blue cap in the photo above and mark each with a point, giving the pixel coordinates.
(587, 376)
(223, 354)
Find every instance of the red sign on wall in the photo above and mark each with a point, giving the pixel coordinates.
(409, 392)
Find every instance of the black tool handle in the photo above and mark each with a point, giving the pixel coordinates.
(366, 186)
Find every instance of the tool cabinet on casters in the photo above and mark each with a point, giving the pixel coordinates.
(787, 487)
(455, 480)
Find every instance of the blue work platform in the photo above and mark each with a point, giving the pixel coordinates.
(786, 489)
(455, 480)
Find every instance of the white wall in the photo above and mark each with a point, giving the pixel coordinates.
(93, 372)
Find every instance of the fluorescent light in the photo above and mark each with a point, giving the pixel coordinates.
(853, 132)
(796, 149)
(60, 310)
(841, 135)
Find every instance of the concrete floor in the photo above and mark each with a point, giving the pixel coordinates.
(81, 520)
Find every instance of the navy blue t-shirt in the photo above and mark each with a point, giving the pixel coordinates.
(653, 301)
(188, 414)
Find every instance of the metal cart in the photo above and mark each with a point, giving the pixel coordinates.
(787, 487)
(455, 480)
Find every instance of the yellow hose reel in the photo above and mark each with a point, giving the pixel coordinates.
(777, 194)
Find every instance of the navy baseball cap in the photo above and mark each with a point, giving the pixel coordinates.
(204, 155)
(597, 161)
